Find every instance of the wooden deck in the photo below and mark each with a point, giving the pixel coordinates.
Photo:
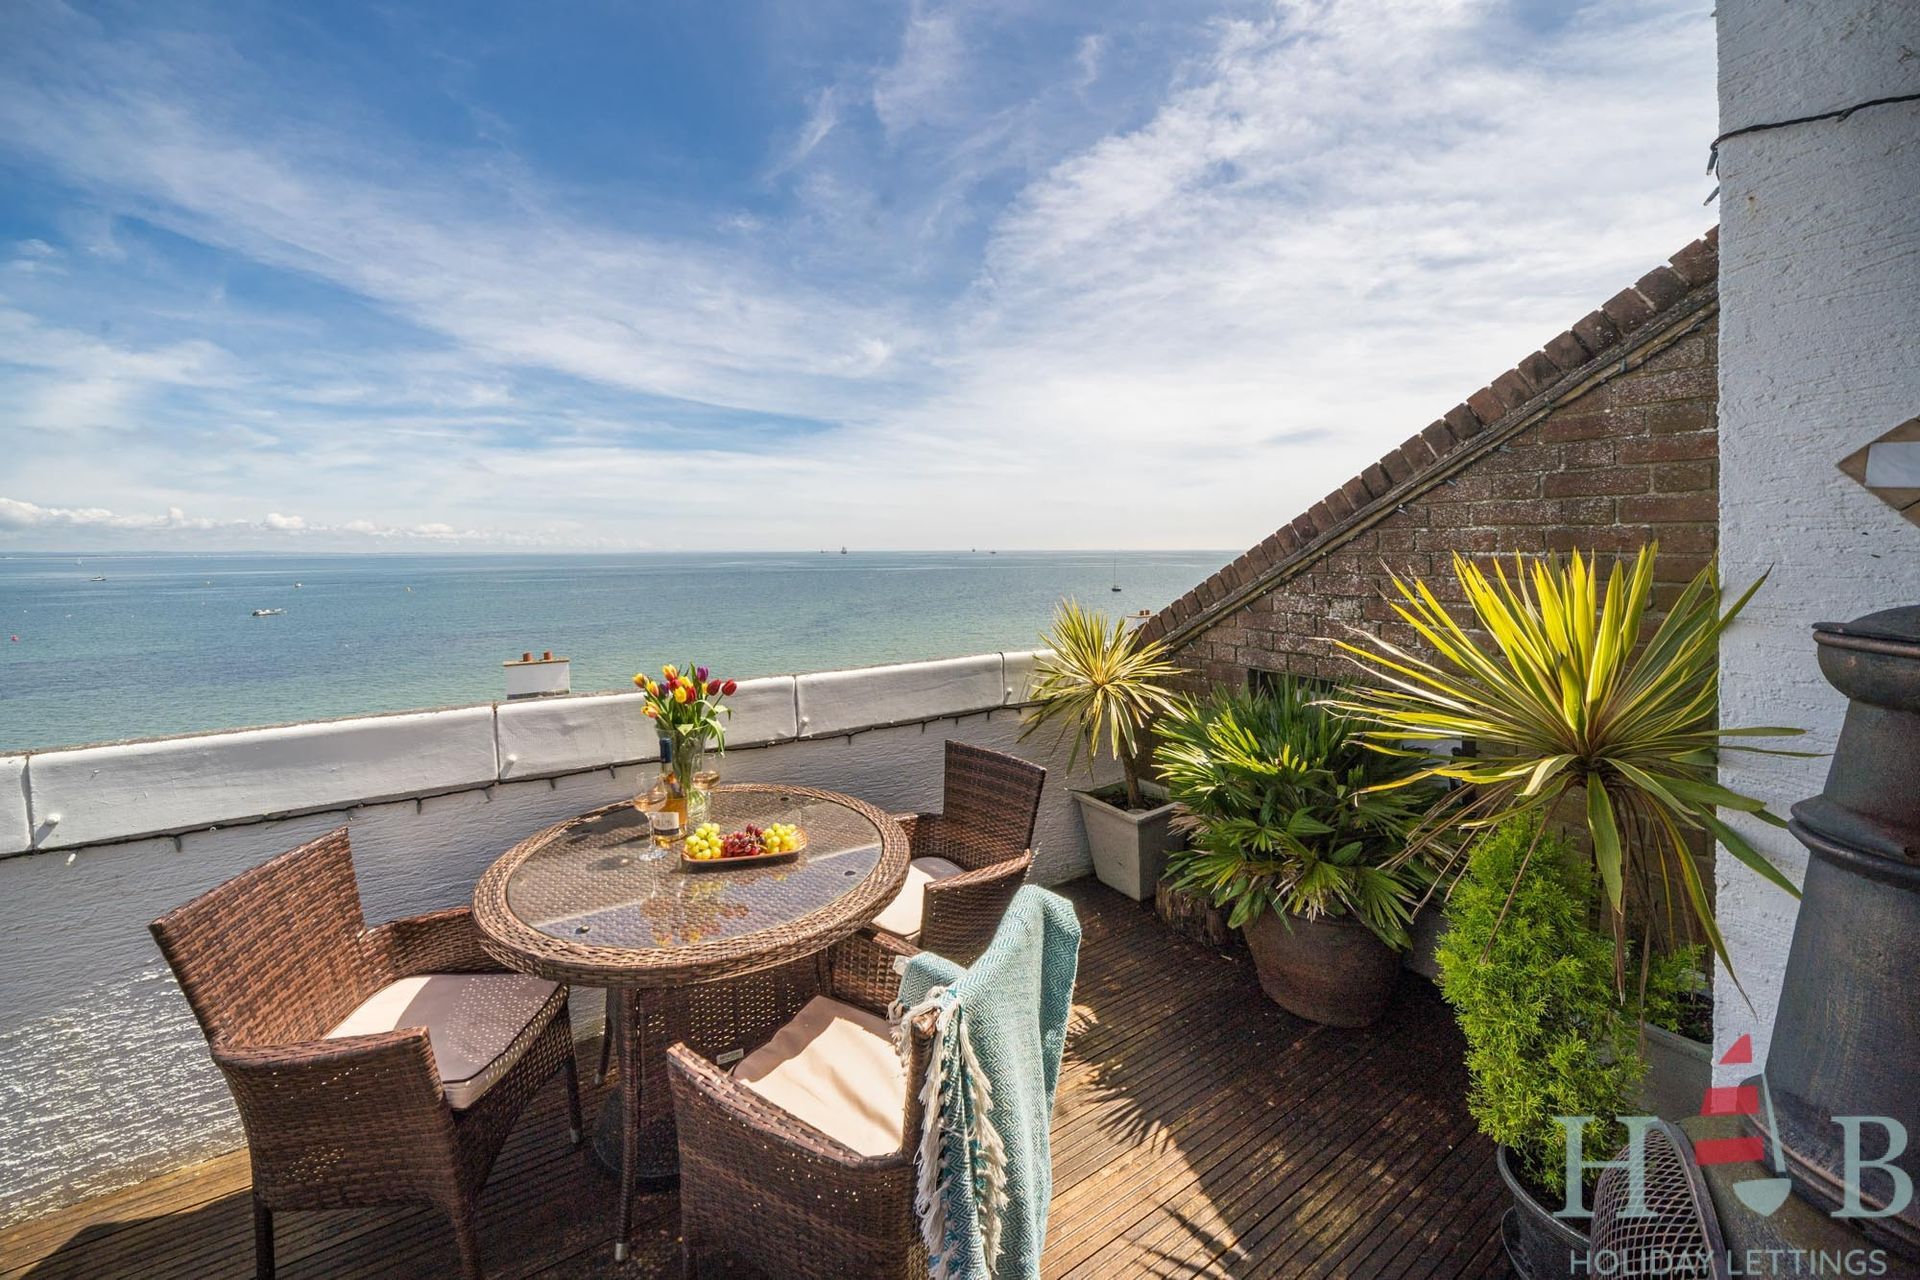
(1199, 1131)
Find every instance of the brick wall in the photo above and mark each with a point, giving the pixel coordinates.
(1601, 441)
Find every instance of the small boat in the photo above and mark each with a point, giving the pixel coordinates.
(1116, 573)
(298, 585)
(843, 551)
(268, 613)
(98, 579)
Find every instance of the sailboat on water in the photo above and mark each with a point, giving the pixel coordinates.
(1116, 573)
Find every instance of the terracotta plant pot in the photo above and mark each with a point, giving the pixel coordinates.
(1540, 1246)
(1330, 970)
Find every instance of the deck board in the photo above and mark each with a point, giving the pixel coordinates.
(1199, 1130)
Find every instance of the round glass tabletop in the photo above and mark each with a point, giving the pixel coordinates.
(594, 895)
(602, 881)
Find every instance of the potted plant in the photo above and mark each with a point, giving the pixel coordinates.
(1293, 824)
(1101, 684)
(1531, 981)
(1579, 694)
(1676, 1034)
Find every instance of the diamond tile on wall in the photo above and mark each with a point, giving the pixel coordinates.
(1889, 468)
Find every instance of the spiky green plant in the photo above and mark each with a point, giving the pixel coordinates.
(1575, 691)
(1100, 683)
(1283, 808)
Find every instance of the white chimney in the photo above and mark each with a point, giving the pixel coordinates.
(533, 677)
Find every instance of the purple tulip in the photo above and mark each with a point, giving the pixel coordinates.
(702, 673)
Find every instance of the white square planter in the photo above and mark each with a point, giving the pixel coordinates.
(1129, 848)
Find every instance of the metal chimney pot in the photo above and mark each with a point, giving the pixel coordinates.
(1846, 1038)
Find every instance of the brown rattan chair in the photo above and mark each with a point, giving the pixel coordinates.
(971, 857)
(283, 973)
(764, 1188)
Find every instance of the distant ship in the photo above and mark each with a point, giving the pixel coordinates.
(268, 613)
(99, 579)
(843, 551)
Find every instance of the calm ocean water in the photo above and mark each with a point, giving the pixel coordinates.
(167, 644)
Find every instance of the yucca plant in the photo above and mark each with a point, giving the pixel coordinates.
(1100, 684)
(1285, 808)
(1572, 694)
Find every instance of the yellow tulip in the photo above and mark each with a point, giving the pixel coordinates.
(679, 693)
(669, 672)
(640, 681)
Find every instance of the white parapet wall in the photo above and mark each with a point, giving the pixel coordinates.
(105, 1080)
(1819, 355)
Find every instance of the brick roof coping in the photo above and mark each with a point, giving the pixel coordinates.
(1621, 333)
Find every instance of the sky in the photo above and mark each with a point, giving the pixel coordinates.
(1096, 273)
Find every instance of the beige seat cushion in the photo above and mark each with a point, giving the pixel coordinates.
(835, 1067)
(902, 915)
(471, 1019)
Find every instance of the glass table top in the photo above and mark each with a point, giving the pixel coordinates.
(596, 882)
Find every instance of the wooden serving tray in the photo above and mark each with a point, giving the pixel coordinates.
(729, 864)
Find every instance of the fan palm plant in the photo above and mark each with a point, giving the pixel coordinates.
(1573, 689)
(1101, 684)
(1284, 807)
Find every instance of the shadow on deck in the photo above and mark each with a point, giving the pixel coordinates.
(1199, 1131)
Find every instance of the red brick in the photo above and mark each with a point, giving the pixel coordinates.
(1679, 417)
(1670, 509)
(1487, 405)
(1322, 516)
(1464, 422)
(1661, 286)
(1687, 477)
(1670, 448)
(1304, 528)
(1513, 388)
(1439, 438)
(1628, 310)
(1596, 332)
(1540, 369)
(1580, 454)
(1568, 352)
(1578, 426)
(1699, 262)
(1376, 480)
(1416, 453)
(1603, 480)
(1693, 385)
(1340, 505)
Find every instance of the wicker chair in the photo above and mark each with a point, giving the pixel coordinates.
(761, 1186)
(970, 858)
(286, 977)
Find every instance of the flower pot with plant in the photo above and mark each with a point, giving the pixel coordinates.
(1580, 696)
(1292, 825)
(1531, 982)
(1100, 684)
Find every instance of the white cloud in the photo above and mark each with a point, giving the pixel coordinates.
(1335, 222)
(919, 86)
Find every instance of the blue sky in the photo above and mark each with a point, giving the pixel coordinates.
(601, 275)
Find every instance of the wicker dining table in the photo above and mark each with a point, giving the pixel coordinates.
(592, 901)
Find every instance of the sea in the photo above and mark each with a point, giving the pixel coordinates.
(99, 648)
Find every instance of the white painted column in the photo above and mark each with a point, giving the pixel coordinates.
(1819, 354)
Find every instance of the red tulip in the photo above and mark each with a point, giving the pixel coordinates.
(713, 686)
(728, 688)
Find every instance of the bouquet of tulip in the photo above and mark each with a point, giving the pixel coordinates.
(686, 705)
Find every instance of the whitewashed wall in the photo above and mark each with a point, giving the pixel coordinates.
(1819, 354)
(104, 1079)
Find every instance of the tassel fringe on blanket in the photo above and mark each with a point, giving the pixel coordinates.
(957, 1113)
